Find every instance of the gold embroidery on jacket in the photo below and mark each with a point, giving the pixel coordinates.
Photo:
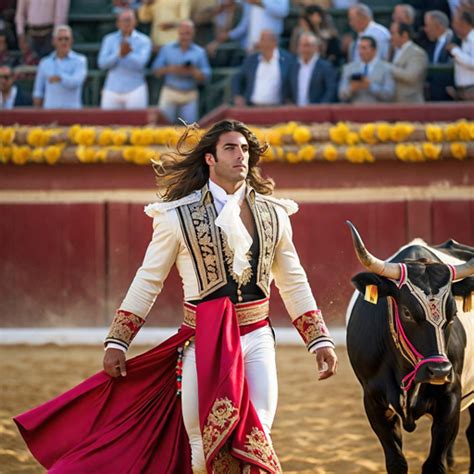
(220, 421)
(204, 244)
(258, 449)
(267, 227)
(124, 327)
(311, 326)
(246, 276)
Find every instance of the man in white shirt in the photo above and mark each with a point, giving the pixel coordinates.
(463, 25)
(360, 18)
(312, 79)
(262, 78)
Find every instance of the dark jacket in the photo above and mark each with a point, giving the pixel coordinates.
(243, 82)
(322, 85)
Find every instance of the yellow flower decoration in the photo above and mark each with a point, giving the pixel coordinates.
(21, 154)
(142, 137)
(269, 155)
(339, 133)
(120, 137)
(464, 131)
(279, 153)
(86, 154)
(434, 133)
(409, 152)
(273, 136)
(106, 137)
(383, 131)
(37, 137)
(53, 153)
(292, 157)
(289, 128)
(307, 153)
(301, 135)
(367, 133)
(73, 131)
(352, 138)
(37, 155)
(102, 154)
(85, 136)
(459, 150)
(451, 132)
(330, 153)
(5, 154)
(401, 131)
(431, 151)
(7, 136)
(471, 130)
(358, 154)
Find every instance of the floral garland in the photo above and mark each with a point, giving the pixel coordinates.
(290, 142)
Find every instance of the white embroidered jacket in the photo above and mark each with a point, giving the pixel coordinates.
(185, 235)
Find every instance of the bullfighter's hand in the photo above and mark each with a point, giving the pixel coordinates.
(326, 359)
(114, 362)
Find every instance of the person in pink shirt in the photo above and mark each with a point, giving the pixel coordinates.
(35, 21)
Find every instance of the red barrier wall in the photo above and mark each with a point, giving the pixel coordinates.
(71, 264)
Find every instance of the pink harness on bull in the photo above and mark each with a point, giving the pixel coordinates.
(401, 340)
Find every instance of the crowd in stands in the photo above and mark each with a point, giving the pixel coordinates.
(314, 63)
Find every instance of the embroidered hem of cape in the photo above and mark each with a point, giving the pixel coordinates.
(134, 424)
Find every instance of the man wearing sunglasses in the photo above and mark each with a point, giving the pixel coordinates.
(61, 74)
(10, 94)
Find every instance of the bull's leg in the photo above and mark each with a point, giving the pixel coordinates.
(386, 425)
(470, 437)
(450, 456)
(444, 429)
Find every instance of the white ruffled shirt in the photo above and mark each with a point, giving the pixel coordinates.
(230, 222)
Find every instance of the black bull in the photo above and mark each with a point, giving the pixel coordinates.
(410, 362)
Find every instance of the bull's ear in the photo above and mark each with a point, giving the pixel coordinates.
(463, 287)
(385, 286)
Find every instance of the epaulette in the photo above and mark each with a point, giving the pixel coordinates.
(160, 207)
(290, 206)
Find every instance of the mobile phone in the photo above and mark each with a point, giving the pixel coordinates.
(356, 76)
(188, 64)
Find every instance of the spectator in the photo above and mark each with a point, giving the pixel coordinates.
(6, 56)
(10, 94)
(61, 74)
(404, 13)
(262, 78)
(409, 65)
(312, 79)
(439, 34)
(361, 21)
(35, 21)
(369, 79)
(7, 22)
(257, 16)
(463, 25)
(183, 65)
(164, 16)
(124, 55)
(317, 21)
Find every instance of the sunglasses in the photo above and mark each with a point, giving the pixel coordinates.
(6, 76)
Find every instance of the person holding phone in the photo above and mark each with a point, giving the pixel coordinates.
(369, 79)
(183, 65)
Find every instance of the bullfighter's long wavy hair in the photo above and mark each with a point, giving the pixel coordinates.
(180, 172)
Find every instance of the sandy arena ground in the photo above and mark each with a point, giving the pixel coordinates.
(320, 426)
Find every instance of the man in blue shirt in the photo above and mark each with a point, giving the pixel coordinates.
(125, 54)
(61, 74)
(183, 65)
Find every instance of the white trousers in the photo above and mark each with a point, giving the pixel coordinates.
(136, 99)
(258, 351)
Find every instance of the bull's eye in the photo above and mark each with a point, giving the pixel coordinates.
(407, 315)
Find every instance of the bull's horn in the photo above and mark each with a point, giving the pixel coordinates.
(465, 269)
(386, 269)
